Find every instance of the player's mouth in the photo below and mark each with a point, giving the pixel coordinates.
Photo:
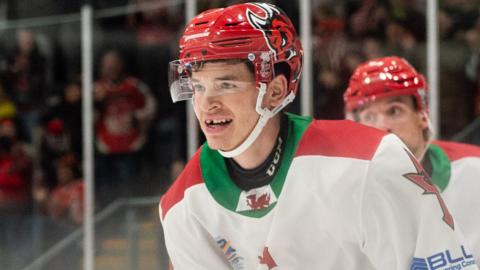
(217, 122)
(217, 125)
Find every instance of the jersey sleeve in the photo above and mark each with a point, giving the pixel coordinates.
(404, 221)
(189, 245)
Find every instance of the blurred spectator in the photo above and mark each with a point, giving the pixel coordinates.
(372, 48)
(156, 30)
(472, 72)
(461, 14)
(55, 143)
(61, 133)
(472, 68)
(68, 108)
(404, 29)
(445, 25)
(154, 26)
(366, 18)
(401, 41)
(15, 196)
(15, 167)
(62, 209)
(7, 107)
(457, 92)
(333, 57)
(412, 14)
(27, 78)
(125, 109)
(65, 202)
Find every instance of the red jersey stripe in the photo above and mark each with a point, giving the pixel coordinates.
(190, 176)
(455, 151)
(342, 138)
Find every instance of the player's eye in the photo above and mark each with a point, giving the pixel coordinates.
(226, 85)
(395, 111)
(367, 117)
(199, 88)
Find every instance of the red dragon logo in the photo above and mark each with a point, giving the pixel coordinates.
(280, 40)
(421, 179)
(267, 259)
(259, 203)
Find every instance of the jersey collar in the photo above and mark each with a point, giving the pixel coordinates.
(226, 193)
(441, 167)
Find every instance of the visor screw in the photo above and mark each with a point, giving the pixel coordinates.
(251, 57)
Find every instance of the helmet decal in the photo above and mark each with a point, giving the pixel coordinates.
(270, 21)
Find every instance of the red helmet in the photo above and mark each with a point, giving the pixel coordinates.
(385, 77)
(258, 32)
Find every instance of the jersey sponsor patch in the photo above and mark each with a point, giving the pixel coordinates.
(256, 199)
(445, 260)
(231, 254)
(419, 264)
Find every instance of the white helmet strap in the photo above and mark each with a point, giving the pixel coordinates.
(265, 115)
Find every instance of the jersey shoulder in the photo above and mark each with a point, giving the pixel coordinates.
(190, 176)
(455, 150)
(340, 138)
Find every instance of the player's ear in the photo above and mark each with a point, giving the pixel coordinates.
(423, 119)
(277, 91)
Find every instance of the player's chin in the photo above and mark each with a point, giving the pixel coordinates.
(216, 144)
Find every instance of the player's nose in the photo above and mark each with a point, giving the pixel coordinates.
(208, 103)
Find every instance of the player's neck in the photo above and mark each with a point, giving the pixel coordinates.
(420, 152)
(258, 152)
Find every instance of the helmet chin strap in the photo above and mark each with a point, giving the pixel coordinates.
(265, 115)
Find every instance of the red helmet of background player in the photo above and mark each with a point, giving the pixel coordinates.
(244, 31)
(385, 77)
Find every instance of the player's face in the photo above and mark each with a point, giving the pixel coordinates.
(397, 115)
(224, 101)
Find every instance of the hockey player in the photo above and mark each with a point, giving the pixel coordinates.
(270, 190)
(389, 94)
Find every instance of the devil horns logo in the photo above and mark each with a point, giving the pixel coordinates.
(272, 20)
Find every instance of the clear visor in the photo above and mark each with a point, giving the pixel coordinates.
(210, 76)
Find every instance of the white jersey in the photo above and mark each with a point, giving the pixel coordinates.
(345, 196)
(456, 171)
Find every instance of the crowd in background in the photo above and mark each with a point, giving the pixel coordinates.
(139, 134)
